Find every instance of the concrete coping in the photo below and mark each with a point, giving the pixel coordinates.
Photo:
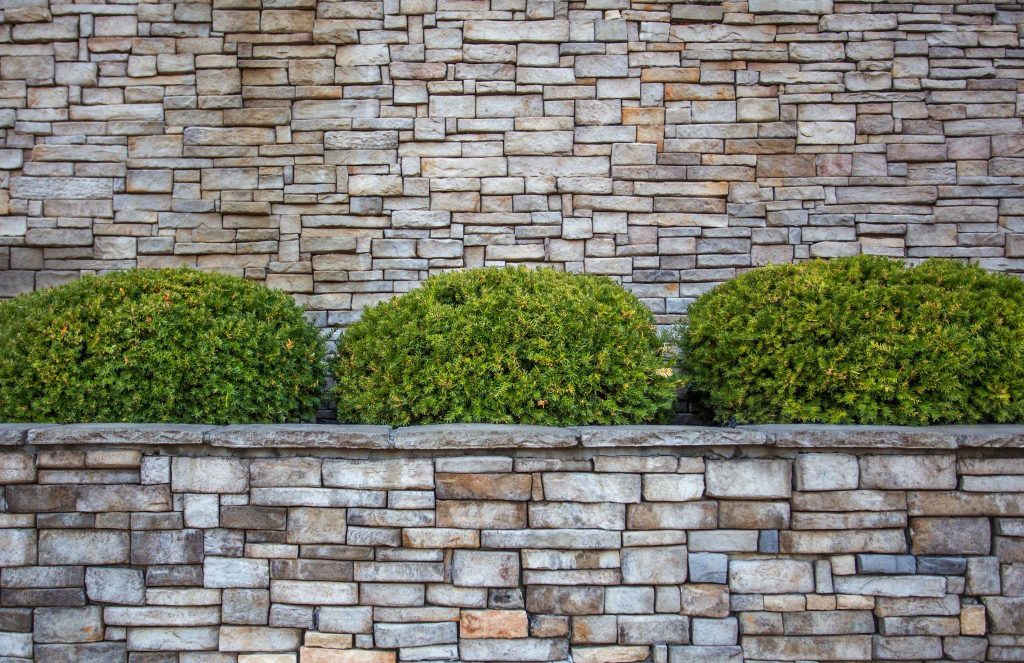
(499, 436)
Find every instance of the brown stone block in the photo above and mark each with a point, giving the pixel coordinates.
(633, 115)
(698, 92)
(704, 600)
(479, 514)
(753, 515)
(670, 75)
(41, 499)
(563, 600)
(786, 165)
(484, 486)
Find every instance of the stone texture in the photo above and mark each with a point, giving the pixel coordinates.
(209, 554)
(749, 478)
(298, 143)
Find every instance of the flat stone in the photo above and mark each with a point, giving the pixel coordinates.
(1006, 614)
(667, 436)
(471, 568)
(209, 475)
(749, 478)
(389, 474)
(415, 635)
(94, 652)
(826, 471)
(118, 434)
(779, 576)
(115, 585)
(895, 472)
(67, 625)
(587, 487)
(88, 547)
(14, 434)
(227, 572)
(651, 629)
(18, 547)
(258, 638)
(950, 536)
(867, 437)
(891, 586)
(504, 32)
(167, 547)
(654, 566)
(821, 648)
(516, 649)
(505, 624)
(309, 436)
(482, 436)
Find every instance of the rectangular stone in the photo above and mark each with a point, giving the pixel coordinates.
(749, 478)
(894, 472)
(583, 487)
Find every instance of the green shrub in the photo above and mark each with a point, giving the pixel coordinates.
(862, 340)
(505, 346)
(158, 345)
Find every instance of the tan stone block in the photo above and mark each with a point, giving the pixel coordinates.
(972, 620)
(315, 655)
(286, 20)
(493, 624)
(484, 486)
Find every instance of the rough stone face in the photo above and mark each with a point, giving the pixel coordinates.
(933, 472)
(771, 576)
(115, 585)
(749, 478)
(209, 475)
(659, 566)
(821, 471)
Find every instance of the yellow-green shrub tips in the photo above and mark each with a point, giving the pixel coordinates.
(160, 346)
(862, 340)
(505, 346)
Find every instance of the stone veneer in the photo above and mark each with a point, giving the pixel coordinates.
(343, 150)
(329, 544)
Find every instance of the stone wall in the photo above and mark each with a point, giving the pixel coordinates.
(327, 544)
(343, 150)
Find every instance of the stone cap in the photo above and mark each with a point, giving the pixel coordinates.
(502, 436)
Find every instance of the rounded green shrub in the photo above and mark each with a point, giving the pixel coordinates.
(505, 346)
(863, 340)
(158, 345)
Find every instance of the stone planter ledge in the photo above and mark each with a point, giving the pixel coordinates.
(495, 436)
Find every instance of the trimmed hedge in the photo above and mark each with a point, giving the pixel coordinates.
(863, 340)
(161, 346)
(505, 346)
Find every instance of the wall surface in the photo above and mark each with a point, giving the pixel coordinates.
(344, 150)
(364, 545)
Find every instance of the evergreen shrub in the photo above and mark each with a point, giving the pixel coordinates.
(505, 345)
(159, 346)
(864, 340)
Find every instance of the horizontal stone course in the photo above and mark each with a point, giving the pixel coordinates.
(501, 436)
(834, 549)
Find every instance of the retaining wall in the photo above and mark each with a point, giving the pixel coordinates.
(343, 150)
(329, 544)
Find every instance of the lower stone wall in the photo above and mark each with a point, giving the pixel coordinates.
(200, 554)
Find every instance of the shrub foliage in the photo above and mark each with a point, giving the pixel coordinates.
(505, 346)
(158, 345)
(862, 340)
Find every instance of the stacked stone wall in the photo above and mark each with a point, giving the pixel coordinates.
(365, 545)
(344, 150)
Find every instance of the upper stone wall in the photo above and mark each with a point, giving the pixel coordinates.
(343, 150)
